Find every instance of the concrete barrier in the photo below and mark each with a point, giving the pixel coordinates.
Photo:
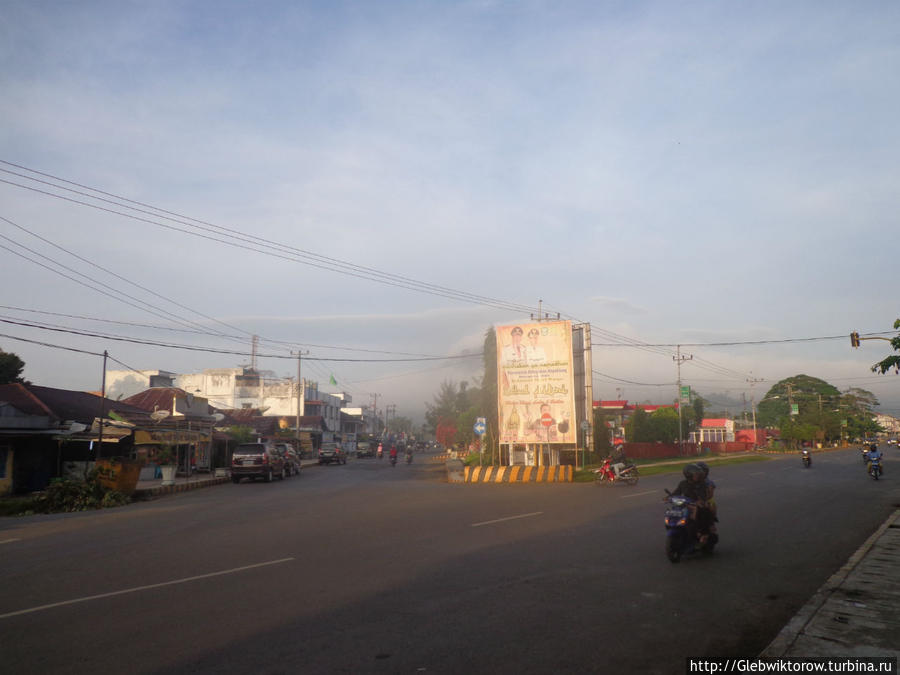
(517, 474)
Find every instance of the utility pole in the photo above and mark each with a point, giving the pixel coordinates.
(678, 358)
(388, 409)
(300, 396)
(752, 382)
(374, 398)
(102, 408)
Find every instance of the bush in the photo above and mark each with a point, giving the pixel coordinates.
(64, 495)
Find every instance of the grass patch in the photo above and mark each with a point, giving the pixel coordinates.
(653, 467)
(16, 506)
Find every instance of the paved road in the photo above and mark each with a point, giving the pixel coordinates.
(369, 568)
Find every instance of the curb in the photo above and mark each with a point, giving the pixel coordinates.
(178, 487)
(788, 635)
(518, 474)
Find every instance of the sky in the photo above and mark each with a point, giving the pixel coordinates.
(377, 184)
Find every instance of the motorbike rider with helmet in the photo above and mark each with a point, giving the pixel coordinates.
(618, 460)
(874, 453)
(696, 488)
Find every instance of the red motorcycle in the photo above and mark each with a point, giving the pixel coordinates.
(606, 474)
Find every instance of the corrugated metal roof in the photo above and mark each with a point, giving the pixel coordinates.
(62, 404)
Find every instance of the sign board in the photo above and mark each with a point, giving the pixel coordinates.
(795, 408)
(686, 393)
(585, 426)
(480, 426)
(536, 383)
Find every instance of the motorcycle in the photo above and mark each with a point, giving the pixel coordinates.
(409, 458)
(682, 534)
(865, 455)
(380, 452)
(875, 468)
(606, 475)
(807, 458)
(393, 460)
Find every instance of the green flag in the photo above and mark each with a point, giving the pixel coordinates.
(332, 380)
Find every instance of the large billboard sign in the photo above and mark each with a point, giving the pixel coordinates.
(536, 383)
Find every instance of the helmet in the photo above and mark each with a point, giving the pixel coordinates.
(874, 446)
(704, 468)
(691, 470)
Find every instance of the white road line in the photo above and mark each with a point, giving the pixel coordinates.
(639, 494)
(757, 473)
(502, 520)
(143, 588)
(9, 541)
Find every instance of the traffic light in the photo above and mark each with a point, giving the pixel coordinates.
(854, 339)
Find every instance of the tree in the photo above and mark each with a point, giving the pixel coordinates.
(603, 422)
(11, 367)
(892, 361)
(637, 428)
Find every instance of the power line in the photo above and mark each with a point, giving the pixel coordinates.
(249, 242)
(213, 350)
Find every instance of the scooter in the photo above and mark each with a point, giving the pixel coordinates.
(380, 452)
(606, 475)
(875, 468)
(865, 454)
(682, 535)
(806, 457)
(393, 460)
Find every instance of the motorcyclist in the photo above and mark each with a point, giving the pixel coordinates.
(695, 487)
(394, 453)
(874, 453)
(618, 460)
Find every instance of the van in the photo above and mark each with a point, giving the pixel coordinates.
(256, 460)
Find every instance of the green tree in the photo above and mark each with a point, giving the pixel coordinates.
(637, 428)
(11, 367)
(892, 361)
(663, 425)
(241, 434)
(602, 423)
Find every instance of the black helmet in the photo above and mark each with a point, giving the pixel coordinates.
(691, 470)
(704, 468)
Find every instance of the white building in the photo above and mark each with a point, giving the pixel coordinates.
(236, 388)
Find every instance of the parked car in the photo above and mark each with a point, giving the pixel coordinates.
(291, 459)
(257, 460)
(332, 452)
(365, 449)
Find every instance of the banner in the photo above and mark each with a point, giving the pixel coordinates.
(536, 383)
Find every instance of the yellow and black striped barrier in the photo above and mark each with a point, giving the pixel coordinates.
(518, 474)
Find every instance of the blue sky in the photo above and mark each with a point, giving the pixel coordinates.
(697, 172)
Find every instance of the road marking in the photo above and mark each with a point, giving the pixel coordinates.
(757, 473)
(639, 494)
(503, 520)
(9, 541)
(143, 588)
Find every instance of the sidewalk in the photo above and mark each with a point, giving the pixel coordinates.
(147, 489)
(857, 612)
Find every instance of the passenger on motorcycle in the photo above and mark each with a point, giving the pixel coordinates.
(695, 487)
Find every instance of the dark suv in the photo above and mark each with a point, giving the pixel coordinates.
(256, 460)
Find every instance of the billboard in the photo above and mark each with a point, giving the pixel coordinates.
(535, 383)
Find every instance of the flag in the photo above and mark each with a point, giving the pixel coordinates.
(331, 379)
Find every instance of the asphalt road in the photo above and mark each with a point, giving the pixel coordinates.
(365, 568)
